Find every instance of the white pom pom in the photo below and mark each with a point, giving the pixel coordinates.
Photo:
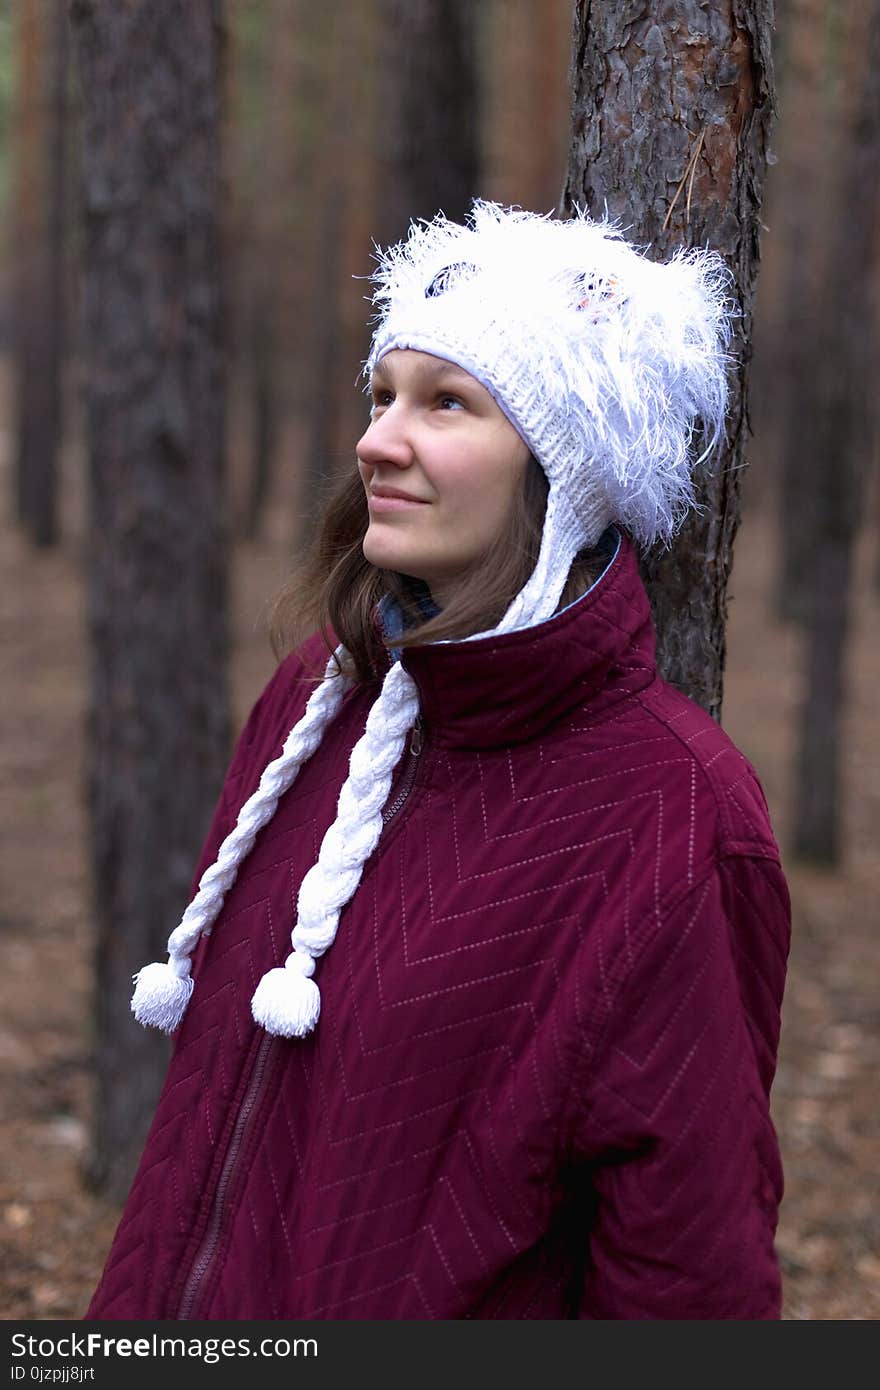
(161, 996)
(286, 1002)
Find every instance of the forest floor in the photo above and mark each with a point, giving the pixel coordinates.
(54, 1234)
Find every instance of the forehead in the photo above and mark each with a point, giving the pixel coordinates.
(418, 367)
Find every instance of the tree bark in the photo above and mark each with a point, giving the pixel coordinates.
(815, 105)
(840, 415)
(671, 113)
(156, 549)
(39, 256)
(267, 247)
(47, 500)
(345, 194)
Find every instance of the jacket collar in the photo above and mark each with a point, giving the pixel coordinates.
(507, 689)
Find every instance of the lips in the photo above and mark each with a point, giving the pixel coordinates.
(393, 493)
(385, 501)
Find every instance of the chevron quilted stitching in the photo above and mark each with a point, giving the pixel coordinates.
(769, 987)
(725, 1120)
(517, 929)
(732, 1159)
(683, 998)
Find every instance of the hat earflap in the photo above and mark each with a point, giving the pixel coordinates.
(162, 989)
(287, 1001)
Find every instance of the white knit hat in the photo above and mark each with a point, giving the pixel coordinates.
(606, 363)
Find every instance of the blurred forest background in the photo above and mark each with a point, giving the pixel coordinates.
(312, 131)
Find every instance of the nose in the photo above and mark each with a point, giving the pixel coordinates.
(385, 440)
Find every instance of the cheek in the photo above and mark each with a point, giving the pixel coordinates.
(476, 480)
(495, 498)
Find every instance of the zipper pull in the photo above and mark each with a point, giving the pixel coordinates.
(418, 737)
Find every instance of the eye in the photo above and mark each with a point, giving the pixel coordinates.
(450, 403)
(381, 398)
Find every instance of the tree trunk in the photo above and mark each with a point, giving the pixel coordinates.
(335, 407)
(840, 416)
(268, 247)
(671, 113)
(428, 139)
(876, 474)
(39, 298)
(264, 434)
(157, 537)
(325, 351)
(46, 495)
(814, 92)
(419, 126)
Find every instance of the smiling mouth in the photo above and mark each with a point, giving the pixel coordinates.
(393, 501)
(383, 491)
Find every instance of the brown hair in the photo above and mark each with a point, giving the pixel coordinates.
(337, 588)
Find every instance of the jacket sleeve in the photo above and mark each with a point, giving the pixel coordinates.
(673, 1122)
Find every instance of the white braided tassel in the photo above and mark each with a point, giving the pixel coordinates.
(163, 989)
(162, 992)
(287, 1001)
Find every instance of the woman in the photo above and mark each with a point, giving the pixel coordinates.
(531, 1079)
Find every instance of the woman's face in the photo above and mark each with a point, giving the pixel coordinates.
(441, 465)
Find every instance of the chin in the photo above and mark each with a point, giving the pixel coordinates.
(384, 557)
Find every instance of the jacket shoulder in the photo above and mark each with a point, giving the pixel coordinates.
(726, 779)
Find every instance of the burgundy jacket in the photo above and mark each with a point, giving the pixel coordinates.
(539, 1084)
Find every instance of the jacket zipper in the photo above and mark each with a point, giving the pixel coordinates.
(416, 744)
(208, 1249)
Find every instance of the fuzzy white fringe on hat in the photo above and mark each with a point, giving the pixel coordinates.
(607, 364)
(604, 361)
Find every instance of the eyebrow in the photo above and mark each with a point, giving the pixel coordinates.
(425, 372)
